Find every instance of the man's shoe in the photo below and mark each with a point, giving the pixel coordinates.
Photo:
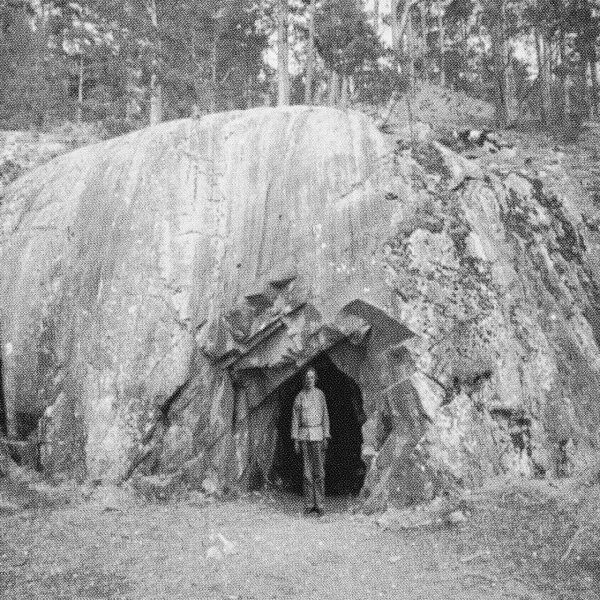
(320, 512)
(307, 511)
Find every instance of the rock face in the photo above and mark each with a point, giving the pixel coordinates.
(157, 288)
(158, 291)
(499, 279)
(21, 151)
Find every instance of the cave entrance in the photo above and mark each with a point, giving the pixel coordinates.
(344, 469)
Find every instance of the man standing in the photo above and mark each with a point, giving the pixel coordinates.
(310, 430)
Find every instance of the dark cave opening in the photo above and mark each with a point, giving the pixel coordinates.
(27, 423)
(344, 469)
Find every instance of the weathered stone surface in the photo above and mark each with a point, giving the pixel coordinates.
(135, 273)
(155, 289)
(21, 151)
(108, 498)
(157, 487)
(7, 465)
(8, 508)
(440, 511)
(498, 278)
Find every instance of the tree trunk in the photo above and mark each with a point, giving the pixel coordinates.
(594, 85)
(410, 46)
(500, 91)
(423, 46)
(283, 75)
(195, 111)
(584, 90)
(320, 93)
(155, 86)
(553, 105)
(352, 88)
(132, 85)
(510, 91)
(499, 54)
(465, 45)
(539, 62)
(155, 100)
(344, 92)
(376, 16)
(442, 34)
(310, 54)
(213, 71)
(564, 81)
(7, 394)
(80, 91)
(543, 64)
(334, 88)
(400, 14)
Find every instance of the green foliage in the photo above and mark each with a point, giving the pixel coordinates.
(204, 55)
(28, 94)
(348, 45)
(106, 60)
(344, 38)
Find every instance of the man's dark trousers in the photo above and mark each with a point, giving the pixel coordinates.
(313, 454)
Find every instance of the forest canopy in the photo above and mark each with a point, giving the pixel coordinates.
(125, 64)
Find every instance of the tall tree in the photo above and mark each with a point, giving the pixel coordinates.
(346, 42)
(31, 93)
(441, 25)
(495, 19)
(137, 27)
(283, 53)
(376, 16)
(190, 55)
(400, 13)
(156, 94)
(585, 18)
(310, 53)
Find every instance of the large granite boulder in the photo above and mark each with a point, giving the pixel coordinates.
(156, 287)
(158, 291)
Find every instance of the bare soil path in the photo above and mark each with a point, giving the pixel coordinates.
(255, 548)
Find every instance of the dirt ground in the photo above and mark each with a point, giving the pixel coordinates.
(261, 547)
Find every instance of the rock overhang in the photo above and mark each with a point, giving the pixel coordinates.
(194, 236)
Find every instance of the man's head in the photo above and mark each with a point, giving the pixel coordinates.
(310, 378)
